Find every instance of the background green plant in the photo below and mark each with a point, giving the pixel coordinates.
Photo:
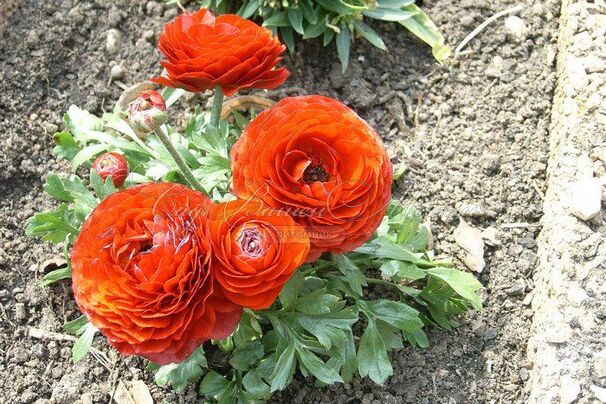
(338, 21)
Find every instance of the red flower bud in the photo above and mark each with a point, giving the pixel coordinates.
(147, 112)
(111, 165)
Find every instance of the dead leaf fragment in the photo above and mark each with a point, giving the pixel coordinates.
(132, 392)
(470, 239)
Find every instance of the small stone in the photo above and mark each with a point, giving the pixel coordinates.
(117, 72)
(490, 334)
(495, 69)
(114, 38)
(50, 128)
(32, 39)
(516, 28)
(153, 8)
(581, 42)
(593, 102)
(569, 389)
(86, 398)
(20, 313)
(489, 235)
(472, 210)
(585, 198)
(599, 393)
(517, 288)
(149, 35)
(593, 64)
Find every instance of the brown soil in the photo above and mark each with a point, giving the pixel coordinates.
(472, 133)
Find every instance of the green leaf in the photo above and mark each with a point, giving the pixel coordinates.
(370, 35)
(382, 247)
(352, 273)
(240, 119)
(76, 326)
(54, 187)
(65, 146)
(52, 226)
(398, 171)
(315, 30)
(402, 269)
(343, 44)
(340, 7)
(180, 375)
(291, 290)
(328, 328)
(83, 343)
(79, 192)
(394, 3)
(81, 123)
(172, 95)
(348, 355)
(246, 356)
(389, 14)
(317, 367)
(279, 19)
(102, 188)
(308, 11)
(213, 384)
(56, 275)
(249, 8)
(284, 368)
(288, 37)
(423, 28)
(316, 302)
(254, 385)
(296, 19)
(372, 355)
(328, 36)
(248, 329)
(417, 338)
(399, 315)
(464, 283)
(87, 154)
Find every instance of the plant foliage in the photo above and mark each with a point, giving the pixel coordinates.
(336, 318)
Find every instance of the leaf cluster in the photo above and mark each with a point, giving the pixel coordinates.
(336, 318)
(338, 21)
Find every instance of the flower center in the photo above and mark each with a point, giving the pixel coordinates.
(251, 242)
(315, 173)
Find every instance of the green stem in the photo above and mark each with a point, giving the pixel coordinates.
(215, 114)
(189, 176)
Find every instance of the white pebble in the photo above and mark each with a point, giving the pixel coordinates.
(114, 37)
(585, 198)
(516, 28)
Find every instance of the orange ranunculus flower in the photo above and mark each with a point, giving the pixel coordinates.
(316, 159)
(256, 249)
(141, 273)
(203, 52)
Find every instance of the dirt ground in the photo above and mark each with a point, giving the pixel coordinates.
(472, 134)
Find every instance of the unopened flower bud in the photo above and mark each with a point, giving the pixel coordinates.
(147, 112)
(111, 165)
